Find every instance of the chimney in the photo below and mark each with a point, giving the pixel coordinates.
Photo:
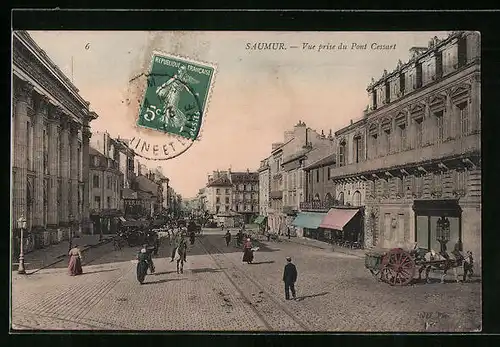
(322, 134)
(351, 121)
(330, 135)
(307, 140)
(248, 171)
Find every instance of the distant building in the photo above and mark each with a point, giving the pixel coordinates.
(245, 194)
(105, 192)
(264, 189)
(218, 192)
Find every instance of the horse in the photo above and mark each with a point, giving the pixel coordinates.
(443, 262)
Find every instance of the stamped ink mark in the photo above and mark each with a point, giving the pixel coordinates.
(176, 96)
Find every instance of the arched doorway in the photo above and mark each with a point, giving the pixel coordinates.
(317, 198)
(340, 198)
(356, 198)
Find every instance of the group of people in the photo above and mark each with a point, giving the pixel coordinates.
(240, 236)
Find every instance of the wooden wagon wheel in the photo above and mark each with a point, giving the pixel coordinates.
(398, 267)
(376, 273)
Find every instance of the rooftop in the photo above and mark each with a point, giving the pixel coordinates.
(328, 160)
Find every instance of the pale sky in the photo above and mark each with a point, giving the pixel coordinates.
(257, 95)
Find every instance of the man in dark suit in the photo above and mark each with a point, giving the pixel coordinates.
(289, 277)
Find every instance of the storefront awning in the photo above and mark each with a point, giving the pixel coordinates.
(337, 218)
(310, 220)
(259, 219)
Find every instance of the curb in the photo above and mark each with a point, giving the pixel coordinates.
(62, 257)
(330, 249)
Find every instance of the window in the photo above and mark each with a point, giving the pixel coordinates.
(342, 154)
(227, 191)
(109, 201)
(95, 181)
(97, 201)
(217, 191)
(357, 149)
(402, 136)
(237, 208)
(108, 182)
(317, 175)
(227, 207)
(387, 140)
(464, 117)
(461, 181)
(329, 173)
(439, 126)
(227, 200)
(418, 132)
(437, 181)
(217, 200)
(217, 208)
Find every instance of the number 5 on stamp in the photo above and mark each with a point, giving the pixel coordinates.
(176, 96)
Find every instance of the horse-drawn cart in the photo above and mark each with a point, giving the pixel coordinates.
(398, 266)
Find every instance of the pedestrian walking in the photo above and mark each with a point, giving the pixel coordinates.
(176, 243)
(180, 254)
(248, 252)
(75, 261)
(228, 238)
(288, 232)
(289, 277)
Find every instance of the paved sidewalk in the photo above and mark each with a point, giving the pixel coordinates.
(360, 253)
(45, 257)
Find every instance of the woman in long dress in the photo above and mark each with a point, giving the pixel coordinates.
(247, 252)
(75, 261)
(144, 263)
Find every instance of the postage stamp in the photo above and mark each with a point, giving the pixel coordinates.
(176, 96)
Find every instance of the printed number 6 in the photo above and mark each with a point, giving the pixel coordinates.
(151, 114)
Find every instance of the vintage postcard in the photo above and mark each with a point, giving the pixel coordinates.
(246, 181)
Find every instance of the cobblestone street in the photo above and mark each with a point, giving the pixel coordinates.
(219, 292)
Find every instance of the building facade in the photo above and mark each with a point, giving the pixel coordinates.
(106, 183)
(421, 160)
(50, 132)
(264, 187)
(245, 194)
(287, 180)
(218, 193)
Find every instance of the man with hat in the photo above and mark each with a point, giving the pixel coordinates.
(289, 277)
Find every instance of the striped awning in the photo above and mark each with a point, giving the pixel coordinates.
(310, 220)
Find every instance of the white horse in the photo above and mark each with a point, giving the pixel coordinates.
(444, 262)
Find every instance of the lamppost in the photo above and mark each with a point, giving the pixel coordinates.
(443, 232)
(21, 224)
(70, 232)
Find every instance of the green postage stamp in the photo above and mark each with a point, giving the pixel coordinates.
(176, 96)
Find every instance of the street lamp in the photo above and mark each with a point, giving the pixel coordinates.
(21, 224)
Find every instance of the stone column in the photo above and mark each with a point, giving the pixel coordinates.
(74, 170)
(41, 108)
(64, 171)
(86, 134)
(54, 130)
(22, 101)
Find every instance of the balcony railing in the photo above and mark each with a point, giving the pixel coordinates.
(446, 149)
(317, 205)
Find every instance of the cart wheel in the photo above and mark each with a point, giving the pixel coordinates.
(398, 267)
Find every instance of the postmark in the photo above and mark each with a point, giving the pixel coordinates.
(175, 96)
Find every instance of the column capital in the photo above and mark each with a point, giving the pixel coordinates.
(54, 113)
(41, 103)
(23, 91)
(64, 120)
(73, 127)
(86, 132)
